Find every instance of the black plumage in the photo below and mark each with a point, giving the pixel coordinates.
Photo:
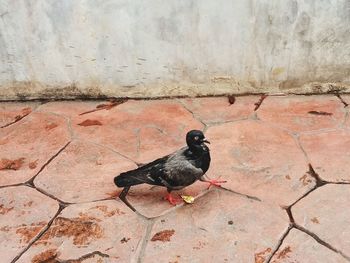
(174, 171)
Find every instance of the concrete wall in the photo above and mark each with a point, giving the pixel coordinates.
(143, 48)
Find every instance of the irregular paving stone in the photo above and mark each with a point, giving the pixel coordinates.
(30, 144)
(325, 212)
(11, 112)
(218, 227)
(82, 172)
(218, 109)
(105, 231)
(141, 130)
(292, 112)
(259, 160)
(24, 212)
(300, 247)
(329, 154)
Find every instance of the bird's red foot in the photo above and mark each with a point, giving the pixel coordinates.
(172, 200)
(214, 182)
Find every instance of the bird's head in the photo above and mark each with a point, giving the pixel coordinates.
(195, 138)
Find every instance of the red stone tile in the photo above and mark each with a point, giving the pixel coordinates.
(82, 172)
(329, 154)
(292, 112)
(30, 144)
(107, 231)
(325, 212)
(11, 112)
(141, 130)
(300, 247)
(210, 230)
(259, 160)
(218, 109)
(24, 212)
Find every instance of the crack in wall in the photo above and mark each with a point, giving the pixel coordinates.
(42, 232)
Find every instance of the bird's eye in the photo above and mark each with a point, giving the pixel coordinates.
(196, 138)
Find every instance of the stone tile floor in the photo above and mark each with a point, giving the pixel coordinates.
(285, 159)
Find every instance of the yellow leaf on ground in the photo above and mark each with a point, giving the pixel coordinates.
(188, 198)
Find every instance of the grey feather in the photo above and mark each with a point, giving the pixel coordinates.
(181, 170)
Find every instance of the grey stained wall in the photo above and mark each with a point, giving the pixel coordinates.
(145, 48)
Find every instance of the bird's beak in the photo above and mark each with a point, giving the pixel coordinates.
(206, 141)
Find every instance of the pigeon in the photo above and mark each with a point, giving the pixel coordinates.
(174, 171)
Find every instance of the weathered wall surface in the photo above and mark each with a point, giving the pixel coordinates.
(146, 48)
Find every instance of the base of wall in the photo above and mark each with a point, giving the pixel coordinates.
(34, 91)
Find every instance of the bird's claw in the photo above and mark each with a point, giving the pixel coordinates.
(171, 199)
(216, 183)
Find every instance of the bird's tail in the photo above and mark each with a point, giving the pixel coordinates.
(129, 179)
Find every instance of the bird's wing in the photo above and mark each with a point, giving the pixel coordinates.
(170, 171)
(149, 174)
(180, 170)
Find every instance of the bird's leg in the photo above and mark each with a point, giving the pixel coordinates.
(122, 197)
(213, 182)
(170, 198)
